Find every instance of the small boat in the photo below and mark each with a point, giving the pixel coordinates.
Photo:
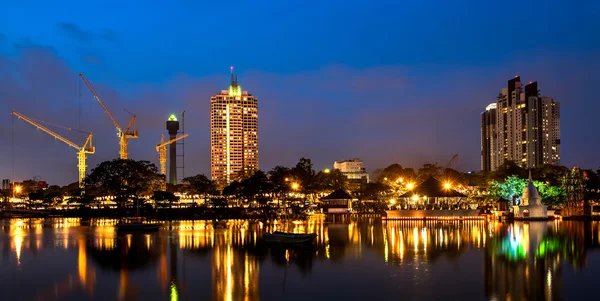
(289, 238)
(136, 224)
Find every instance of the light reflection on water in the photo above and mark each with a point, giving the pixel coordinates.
(226, 260)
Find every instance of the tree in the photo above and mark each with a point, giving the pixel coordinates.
(256, 185)
(201, 185)
(279, 177)
(304, 173)
(429, 170)
(234, 189)
(124, 179)
(510, 190)
(332, 180)
(164, 197)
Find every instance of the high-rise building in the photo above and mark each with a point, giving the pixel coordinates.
(525, 128)
(488, 137)
(234, 133)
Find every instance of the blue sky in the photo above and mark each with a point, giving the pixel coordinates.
(386, 81)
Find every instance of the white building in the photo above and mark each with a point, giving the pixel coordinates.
(353, 169)
(233, 133)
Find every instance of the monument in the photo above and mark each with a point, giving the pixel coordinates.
(531, 206)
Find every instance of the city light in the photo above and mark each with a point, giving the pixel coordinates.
(295, 186)
(410, 186)
(401, 180)
(392, 201)
(327, 170)
(447, 185)
(18, 189)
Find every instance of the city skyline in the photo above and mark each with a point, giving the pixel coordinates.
(377, 99)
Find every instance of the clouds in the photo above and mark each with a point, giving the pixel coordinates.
(77, 33)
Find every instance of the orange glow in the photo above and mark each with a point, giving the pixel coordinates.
(410, 186)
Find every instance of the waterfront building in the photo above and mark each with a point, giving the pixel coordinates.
(521, 126)
(338, 201)
(234, 133)
(353, 170)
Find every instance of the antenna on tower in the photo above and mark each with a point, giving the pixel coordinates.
(231, 74)
(182, 143)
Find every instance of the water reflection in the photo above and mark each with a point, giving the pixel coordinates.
(226, 260)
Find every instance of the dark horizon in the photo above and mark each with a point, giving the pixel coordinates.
(386, 83)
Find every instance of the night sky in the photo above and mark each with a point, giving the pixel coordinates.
(385, 81)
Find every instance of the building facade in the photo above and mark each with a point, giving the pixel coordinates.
(234, 134)
(353, 170)
(522, 126)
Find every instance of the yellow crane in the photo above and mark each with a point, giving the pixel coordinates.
(82, 151)
(161, 148)
(130, 133)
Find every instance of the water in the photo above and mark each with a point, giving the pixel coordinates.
(56, 259)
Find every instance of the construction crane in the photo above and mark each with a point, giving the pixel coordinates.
(130, 132)
(162, 151)
(82, 151)
(452, 161)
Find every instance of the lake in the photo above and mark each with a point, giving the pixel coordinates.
(366, 259)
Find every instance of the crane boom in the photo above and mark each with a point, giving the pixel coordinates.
(161, 148)
(48, 131)
(82, 151)
(171, 141)
(89, 85)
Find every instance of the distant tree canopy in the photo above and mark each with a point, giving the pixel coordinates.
(512, 188)
(201, 185)
(124, 177)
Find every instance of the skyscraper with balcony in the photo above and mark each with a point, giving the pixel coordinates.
(521, 126)
(234, 133)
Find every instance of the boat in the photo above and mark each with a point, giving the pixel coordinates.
(289, 238)
(136, 224)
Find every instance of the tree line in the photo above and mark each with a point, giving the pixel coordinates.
(126, 180)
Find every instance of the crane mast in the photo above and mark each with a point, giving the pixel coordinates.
(161, 148)
(123, 136)
(82, 151)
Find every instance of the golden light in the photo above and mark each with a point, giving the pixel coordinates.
(392, 201)
(286, 179)
(447, 185)
(295, 186)
(18, 188)
(415, 197)
(327, 170)
(385, 179)
(410, 186)
(400, 180)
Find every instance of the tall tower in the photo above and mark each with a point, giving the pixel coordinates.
(173, 128)
(233, 133)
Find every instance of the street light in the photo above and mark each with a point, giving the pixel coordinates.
(447, 185)
(18, 189)
(327, 170)
(410, 186)
(295, 186)
(392, 201)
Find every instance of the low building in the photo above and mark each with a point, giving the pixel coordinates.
(338, 201)
(353, 170)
